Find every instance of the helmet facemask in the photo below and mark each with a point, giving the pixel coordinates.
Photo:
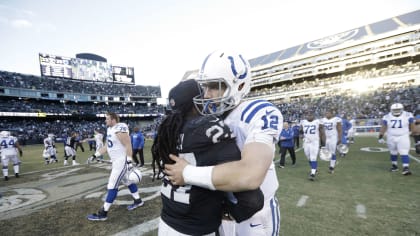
(397, 109)
(226, 79)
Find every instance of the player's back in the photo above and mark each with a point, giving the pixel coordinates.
(258, 119)
(8, 145)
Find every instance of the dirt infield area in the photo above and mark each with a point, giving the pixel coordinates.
(57, 202)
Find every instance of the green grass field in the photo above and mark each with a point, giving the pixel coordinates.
(361, 198)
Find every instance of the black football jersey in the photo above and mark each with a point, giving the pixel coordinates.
(190, 209)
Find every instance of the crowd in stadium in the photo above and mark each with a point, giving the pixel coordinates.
(370, 106)
(81, 108)
(16, 80)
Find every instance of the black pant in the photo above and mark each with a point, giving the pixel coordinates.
(416, 142)
(283, 151)
(79, 144)
(297, 141)
(141, 155)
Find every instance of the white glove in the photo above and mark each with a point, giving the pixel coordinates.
(381, 141)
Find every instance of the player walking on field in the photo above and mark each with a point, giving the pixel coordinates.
(118, 146)
(332, 127)
(313, 138)
(9, 147)
(397, 124)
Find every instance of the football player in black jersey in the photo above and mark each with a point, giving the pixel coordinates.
(203, 141)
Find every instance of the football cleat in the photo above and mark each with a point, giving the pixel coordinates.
(137, 203)
(331, 170)
(6, 178)
(17, 175)
(280, 166)
(100, 216)
(406, 171)
(393, 168)
(311, 177)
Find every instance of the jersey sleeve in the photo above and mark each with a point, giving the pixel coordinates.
(264, 123)
(121, 128)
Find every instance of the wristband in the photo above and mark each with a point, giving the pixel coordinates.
(198, 176)
(97, 154)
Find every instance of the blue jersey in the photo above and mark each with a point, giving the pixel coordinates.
(286, 138)
(137, 140)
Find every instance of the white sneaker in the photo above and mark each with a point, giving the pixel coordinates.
(75, 163)
(65, 162)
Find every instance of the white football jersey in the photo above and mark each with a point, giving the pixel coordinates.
(398, 125)
(114, 146)
(7, 146)
(330, 126)
(99, 139)
(258, 121)
(310, 130)
(48, 142)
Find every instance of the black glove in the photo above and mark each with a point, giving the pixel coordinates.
(248, 203)
(20, 152)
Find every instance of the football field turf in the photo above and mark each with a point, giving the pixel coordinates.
(362, 197)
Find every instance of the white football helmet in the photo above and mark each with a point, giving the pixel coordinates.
(343, 148)
(4, 134)
(397, 109)
(325, 154)
(134, 175)
(228, 72)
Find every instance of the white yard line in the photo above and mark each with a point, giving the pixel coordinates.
(412, 157)
(140, 229)
(302, 201)
(361, 211)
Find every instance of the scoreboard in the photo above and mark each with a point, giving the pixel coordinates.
(84, 69)
(55, 66)
(123, 74)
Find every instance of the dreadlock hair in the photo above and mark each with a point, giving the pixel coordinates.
(168, 135)
(167, 139)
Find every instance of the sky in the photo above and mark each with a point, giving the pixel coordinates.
(163, 39)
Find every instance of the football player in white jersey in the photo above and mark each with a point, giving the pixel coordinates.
(49, 152)
(397, 124)
(226, 80)
(313, 137)
(333, 134)
(119, 151)
(98, 137)
(352, 131)
(9, 147)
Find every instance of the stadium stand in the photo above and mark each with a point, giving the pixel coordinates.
(359, 72)
(33, 106)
